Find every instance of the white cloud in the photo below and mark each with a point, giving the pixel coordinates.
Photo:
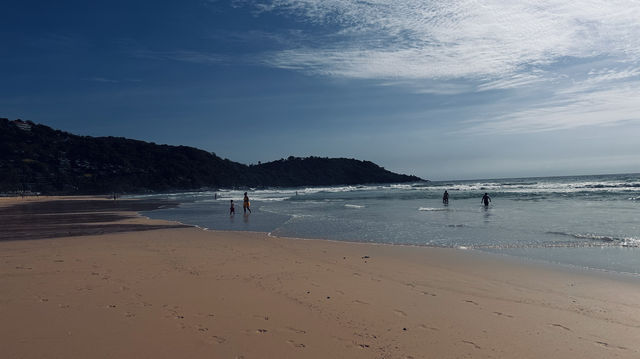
(603, 97)
(445, 89)
(609, 75)
(513, 81)
(574, 107)
(579, 61)
(418, 39)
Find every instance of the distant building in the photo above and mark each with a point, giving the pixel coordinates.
(24, 126)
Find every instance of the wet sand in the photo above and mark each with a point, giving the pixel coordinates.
(189, 293)
(35, 218)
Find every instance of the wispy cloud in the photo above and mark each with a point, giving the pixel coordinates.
(197, 57)
(289, 37)
(600, 97)
(514, 81)
(578, 61)
(597, 77)
(417, 39)
(570, 108)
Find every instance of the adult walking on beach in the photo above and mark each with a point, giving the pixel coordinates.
(486, 199)
(445, 197)
(246, 204)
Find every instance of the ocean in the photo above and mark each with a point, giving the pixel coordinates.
(580, 221)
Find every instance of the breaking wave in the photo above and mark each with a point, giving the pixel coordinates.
(604, 239)
(355, 206)
(430, 209)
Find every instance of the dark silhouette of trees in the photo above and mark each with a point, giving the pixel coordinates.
(37, 158)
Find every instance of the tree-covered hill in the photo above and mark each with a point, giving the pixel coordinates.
(38, 158)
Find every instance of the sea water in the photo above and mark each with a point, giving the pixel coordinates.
(585, 221)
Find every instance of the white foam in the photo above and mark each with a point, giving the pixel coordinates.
(430, 209)
(402, 186)
(630, 242)
(533, 186)
(542, 186)
(356, 206)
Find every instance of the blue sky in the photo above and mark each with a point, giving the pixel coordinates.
(439, 89)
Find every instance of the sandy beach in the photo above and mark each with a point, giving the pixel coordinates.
(99, 282)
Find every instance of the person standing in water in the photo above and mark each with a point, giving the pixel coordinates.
(246, 204)
(486, 199)
(445, 197)
(232, 209)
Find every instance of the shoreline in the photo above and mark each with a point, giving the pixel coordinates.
(505, 259)
(53, 217)
(578, 235)
(504, 256)
(514, 259)
(189, 292)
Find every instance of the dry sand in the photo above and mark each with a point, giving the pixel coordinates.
(189, 293)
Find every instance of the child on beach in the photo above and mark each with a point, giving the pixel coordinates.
(245, 204)
(232, 209)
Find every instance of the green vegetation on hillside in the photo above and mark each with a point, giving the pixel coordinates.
(37, 158)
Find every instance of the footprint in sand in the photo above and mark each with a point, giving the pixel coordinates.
(174, 313)
(472, 343)
(358, 301)
(503, 315)
(607, 345)
(297, 331)
(297, 345)
(400, 313)
(560, 326)
(472, 302)
(422, 326)
(261, 331)
(218, 339)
